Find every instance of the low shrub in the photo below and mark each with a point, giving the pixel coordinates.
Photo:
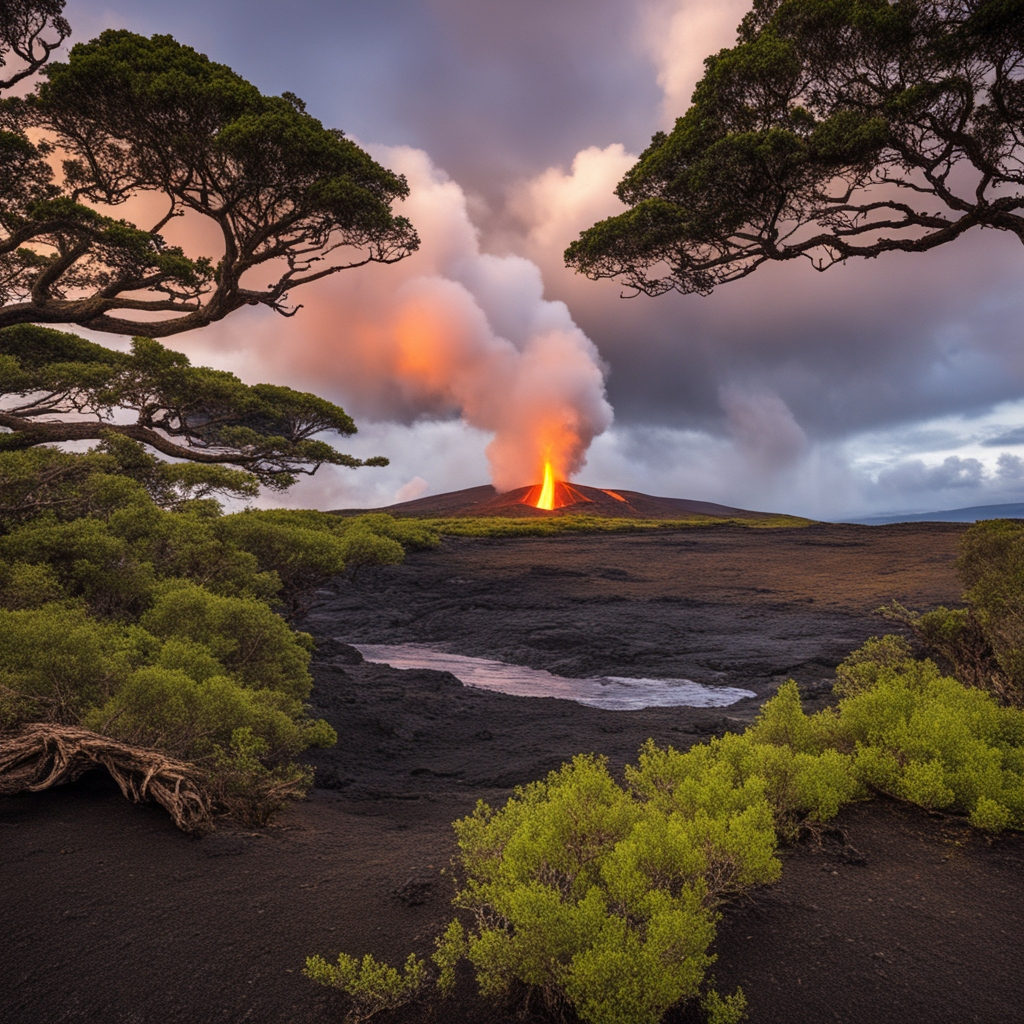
(130, 606)
(371, 986)
(930, 740)
(982, 643)
(725, 1009)
(598, 896)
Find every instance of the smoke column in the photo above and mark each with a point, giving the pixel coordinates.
(451, 331)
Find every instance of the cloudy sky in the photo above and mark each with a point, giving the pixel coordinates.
(893, 384)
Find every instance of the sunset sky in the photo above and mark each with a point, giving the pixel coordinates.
(888, 385)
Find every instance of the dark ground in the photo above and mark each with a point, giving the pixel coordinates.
(108, 914)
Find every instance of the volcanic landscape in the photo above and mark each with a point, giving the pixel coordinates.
(894, 915)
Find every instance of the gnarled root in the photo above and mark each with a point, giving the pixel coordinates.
(41, 755)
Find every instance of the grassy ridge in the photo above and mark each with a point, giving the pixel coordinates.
(507, 526)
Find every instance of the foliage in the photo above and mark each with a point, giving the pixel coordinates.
(983, 643)
(860, 670)
(602, 897)
(135, 116)
(991, 566)
(372, 986)
(725, 1010)
(30, 30)
(65, 485)
(95, 524)
(129, 605)
(926, 738)
(903, 729)
(157, 626)
(548, 526)
(832, 129)
(59, 387)
(57, 662)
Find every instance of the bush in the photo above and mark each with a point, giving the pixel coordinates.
(243, 634)
(370, 985)
(602, 898)
(57, 662)
(728, 1010)
(926, 738)
(991, 566)
(983, 643)
(362, 548)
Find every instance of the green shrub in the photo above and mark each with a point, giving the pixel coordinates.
(244, 635)
(88, 561)
(362, 548)
(166, 709)
(301, 558)
(57, 662)
(725, 1010)
(860, 670)
(28, 585)
(410, 533)
(250, 789)
(371, 986)
(991, 566)
(604, 898)
(600, 897)
(929, 739)
(982, 643)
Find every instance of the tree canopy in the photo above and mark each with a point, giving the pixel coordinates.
(57, 387)
(292, 201)
(833, 129)
(128, 116)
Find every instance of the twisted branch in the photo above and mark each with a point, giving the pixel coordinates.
(42, 754)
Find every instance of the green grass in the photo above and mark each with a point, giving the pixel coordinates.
(507, 526)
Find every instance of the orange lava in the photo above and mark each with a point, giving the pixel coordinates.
(617, 497)
(553, 493)
(546, 498)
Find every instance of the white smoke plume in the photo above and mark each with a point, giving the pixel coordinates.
(451, 331)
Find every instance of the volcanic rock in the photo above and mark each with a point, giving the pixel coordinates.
(573, 499)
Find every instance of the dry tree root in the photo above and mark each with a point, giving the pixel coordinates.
(41, 755)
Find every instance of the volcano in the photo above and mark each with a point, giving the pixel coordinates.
(568, 499)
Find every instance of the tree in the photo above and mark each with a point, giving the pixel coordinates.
(57, 387)
(30, 30)
(833, 129)
(134, 115)
(291, 199)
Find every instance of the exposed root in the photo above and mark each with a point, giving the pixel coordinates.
(41, 755)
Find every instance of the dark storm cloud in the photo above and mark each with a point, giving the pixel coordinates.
(1010, 437)
(871, 344)
(914, 475)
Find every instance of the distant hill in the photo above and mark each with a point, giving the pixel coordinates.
(1014, 510)
(593, 501)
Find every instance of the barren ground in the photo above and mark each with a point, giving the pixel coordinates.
(108, 914)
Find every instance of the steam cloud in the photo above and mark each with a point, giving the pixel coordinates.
(453, 331)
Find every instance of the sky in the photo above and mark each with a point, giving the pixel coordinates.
(891, 385)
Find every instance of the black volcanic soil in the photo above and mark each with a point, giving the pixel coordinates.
(110, 915)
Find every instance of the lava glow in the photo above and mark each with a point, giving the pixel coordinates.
(546, 498)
